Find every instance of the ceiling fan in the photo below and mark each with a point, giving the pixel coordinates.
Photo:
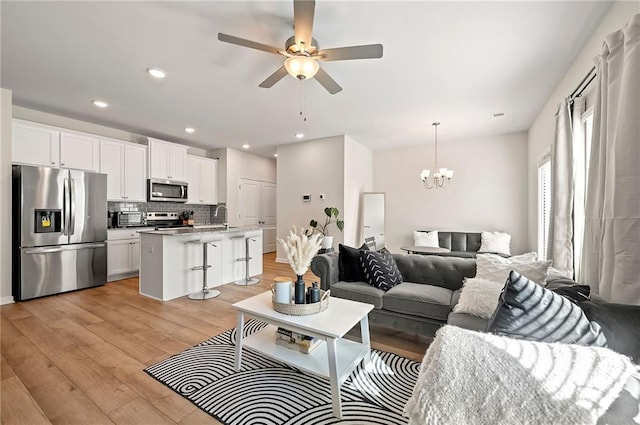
(303, 52)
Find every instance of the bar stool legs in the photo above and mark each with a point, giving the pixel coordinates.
(205, 293)
(248, 280)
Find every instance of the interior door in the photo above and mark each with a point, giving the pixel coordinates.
(249, 197)
(268, 216)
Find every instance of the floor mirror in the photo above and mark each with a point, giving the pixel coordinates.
(373, 219)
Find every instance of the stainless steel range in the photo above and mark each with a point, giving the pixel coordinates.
(162, 220)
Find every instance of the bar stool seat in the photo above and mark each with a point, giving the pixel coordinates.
(248, 280)
(205, 293)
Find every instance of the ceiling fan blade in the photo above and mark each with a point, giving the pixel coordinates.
(327, 82)
(303, 11)
(274, 78)
(247, 43)
(369, 51)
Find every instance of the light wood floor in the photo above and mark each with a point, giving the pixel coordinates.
(78, 358)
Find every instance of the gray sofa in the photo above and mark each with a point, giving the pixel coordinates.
(461, 244)
(421, 304)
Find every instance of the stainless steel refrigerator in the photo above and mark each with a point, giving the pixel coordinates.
(59, 231)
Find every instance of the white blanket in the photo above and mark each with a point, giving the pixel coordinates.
(474, 378)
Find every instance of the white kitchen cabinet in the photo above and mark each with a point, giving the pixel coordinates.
(125, 167)
(35, 145)
(167, 160)
(123, 253)
(202, 176)
(79, 152)
(39, 144)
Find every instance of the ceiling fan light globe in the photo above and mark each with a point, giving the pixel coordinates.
(301, 67)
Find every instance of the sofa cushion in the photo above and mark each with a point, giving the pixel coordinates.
(498, 271)
(358, 291)
(349, 267)
(528, 311)
(620, 324)
(428, 301)
(467, 321)
(434, 270)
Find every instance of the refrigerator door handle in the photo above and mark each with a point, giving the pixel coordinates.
(72, 207)
(76, 247)
(65, 207)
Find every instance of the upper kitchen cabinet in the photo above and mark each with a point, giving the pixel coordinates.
(35, 145)
(38, 144)
(125, 167)
(79, 151)
(167, 160)
(202, 178)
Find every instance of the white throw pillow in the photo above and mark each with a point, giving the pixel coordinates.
(498, 272)
(479, 297)
(429, 239)
(495, 242)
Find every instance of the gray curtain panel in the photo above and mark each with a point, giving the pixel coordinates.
(611, 252)
(560, 241)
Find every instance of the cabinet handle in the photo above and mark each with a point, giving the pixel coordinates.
(170, 177)
(53, 162)
(62, 163)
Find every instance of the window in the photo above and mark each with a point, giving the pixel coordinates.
(544, 204)
(581, 155)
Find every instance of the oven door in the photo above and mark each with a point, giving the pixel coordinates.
(167, 190)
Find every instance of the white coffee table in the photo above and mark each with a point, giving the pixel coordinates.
(335, 358)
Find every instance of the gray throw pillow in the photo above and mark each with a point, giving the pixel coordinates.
(529, 311)
(380, 269)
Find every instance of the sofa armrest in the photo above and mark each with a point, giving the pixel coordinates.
(325, 266)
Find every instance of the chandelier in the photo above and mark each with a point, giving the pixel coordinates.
(440, 176)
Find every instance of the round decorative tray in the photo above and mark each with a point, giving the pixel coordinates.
(303, 309)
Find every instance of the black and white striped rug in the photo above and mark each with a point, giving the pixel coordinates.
(268, 392)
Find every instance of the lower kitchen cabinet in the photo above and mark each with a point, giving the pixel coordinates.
(123, 254)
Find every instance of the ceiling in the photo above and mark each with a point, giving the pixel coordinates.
(453, 62)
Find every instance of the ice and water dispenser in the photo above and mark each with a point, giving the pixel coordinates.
(47, 221)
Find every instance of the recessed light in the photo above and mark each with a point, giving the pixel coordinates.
(275, 154)
(189, 129)
(245, 146)
(100, 103)
(497, 115)
(299, 135)
(156, 73)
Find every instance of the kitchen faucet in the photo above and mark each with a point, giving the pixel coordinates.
(226, 211)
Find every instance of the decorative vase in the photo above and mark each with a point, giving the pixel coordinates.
(299, 290)
(327, 242)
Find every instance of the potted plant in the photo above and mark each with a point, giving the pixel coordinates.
(332, 217)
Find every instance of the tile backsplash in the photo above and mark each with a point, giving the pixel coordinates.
(202, 214)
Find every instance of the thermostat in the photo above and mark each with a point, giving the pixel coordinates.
(306, 198)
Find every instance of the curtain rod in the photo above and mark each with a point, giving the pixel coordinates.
(584, 83)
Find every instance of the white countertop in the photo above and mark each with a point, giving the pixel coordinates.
(200, 230)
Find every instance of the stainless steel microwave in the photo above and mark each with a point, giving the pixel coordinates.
(167, 190)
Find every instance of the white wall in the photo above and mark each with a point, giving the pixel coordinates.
(311, 167)
(542, 130)
(5, 197)
(358, 178)
(244, 165)
(488, 190)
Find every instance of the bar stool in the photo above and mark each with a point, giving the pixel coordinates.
(205, 293)
(248, 280)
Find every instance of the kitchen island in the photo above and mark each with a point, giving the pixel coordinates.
(169, 258)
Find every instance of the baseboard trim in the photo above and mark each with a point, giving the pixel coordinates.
(6, 300)
(282, 260)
